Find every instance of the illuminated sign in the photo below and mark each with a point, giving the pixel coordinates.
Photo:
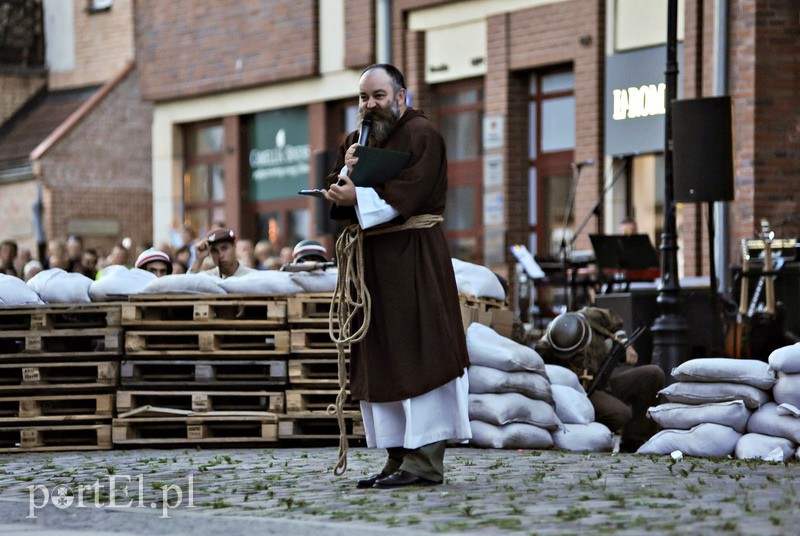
(642, 101)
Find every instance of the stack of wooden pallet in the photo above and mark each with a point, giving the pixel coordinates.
(202, 370)
(313, 375)
(59, 367)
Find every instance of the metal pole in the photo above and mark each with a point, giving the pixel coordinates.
(670, 346)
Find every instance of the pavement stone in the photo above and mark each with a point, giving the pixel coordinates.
(292, 490)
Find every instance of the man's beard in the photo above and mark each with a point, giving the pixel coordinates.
(384, 120)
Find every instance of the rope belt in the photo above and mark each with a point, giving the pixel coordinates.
(350, 298)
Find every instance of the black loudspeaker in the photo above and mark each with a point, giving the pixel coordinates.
(702, 150)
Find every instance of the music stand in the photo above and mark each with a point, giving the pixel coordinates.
(625, 255)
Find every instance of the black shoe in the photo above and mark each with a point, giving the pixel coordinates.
(369, 482)
(401, 478)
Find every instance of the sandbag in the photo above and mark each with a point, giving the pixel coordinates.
(702, 393)
(764, 447)
(477, 281)
(506, 408)
(707, 439)
(488, 348)
(721, 369)
(509, 436)
(786, 359)
(733, 413)
(117, 280)
(316, 280)
(14, 291)
(787, 389)
(559, 375)
(58, 286)
(769, 422)
(490, 380)
(572, 407)
(592, 437)
(184, 284)
(261, 282)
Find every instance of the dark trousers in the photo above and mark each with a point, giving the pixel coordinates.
(623, 405)
(426, 461)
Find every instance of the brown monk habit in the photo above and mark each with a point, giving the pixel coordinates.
(415, 341)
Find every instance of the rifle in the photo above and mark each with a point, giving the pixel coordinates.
(616, 355)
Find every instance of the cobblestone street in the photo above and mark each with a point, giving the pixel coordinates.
(283, 491)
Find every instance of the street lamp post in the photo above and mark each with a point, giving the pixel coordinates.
(670, 346)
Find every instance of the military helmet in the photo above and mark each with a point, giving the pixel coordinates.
(568, 334)
(309, 250)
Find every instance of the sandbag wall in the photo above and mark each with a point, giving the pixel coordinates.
(731, 407)
(59, 369)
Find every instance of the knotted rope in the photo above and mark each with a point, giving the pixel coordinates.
(350, 298)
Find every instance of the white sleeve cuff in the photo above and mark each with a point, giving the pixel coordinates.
(371, 209)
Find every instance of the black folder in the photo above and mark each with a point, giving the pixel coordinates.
(376, 166)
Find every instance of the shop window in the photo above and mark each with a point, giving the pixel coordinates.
(203, 176)
(461, 117)
(551, 139)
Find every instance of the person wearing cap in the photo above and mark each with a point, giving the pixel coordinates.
(581, 341)
(155, 261)
(220, 245)
(309, 251)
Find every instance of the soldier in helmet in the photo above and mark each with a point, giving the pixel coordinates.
(581, 341)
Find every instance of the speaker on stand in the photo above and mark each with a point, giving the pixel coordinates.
(702, 160)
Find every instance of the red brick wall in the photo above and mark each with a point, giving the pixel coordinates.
(102, 169)
(15, 90)
(765, 81)
(359, 16)
(192, 48)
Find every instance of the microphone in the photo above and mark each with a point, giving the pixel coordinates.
(589, 162)
(366, 126)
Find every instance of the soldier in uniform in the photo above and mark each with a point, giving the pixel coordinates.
(581, 341)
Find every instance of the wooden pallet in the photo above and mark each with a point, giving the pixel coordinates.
(322, 372)
(483, 304)
(309, 309)
(56, 317)
(15, 377)
(222, 428)
(187, 342)
(316, 341)
(56, 407)
(315, 401)
(216, 313)
(202, 401)
(201, 373)
(319, 427)
(55, 438)
(59, 343)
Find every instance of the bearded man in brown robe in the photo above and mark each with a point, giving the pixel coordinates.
(409, 372)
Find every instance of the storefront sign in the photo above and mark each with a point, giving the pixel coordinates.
(279, 154)
(636, 101)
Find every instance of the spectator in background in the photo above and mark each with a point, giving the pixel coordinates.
(119, 255)
(88, 266)
(23, 256)
(155, 261)
(245, 252)
(8, 253)
(178, 267)
(31, 268)
(263, 250)
(74, 253)
(220, 246)
(57, 255)
(286, 255)
(628, 227)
